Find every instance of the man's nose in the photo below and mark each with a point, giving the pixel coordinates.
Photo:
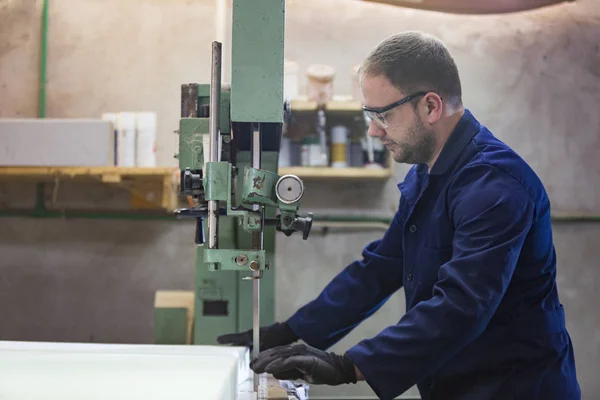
(375, 130)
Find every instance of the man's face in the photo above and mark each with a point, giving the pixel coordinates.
(403, 132)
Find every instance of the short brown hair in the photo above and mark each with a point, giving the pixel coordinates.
(413, 61)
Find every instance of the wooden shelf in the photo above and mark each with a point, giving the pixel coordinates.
(107, 173)
(150, 188)
(338, 103)
(346, 173)
(341, 110)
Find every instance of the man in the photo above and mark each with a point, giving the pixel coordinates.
(471, 243)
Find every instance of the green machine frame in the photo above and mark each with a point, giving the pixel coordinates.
(229, 140)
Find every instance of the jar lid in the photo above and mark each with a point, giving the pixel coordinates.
(320, 72)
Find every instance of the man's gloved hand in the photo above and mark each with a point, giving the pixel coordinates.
(278, 334)
(302, 362)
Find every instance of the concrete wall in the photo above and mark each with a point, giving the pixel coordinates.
(531, 77)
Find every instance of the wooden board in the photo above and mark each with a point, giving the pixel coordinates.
(338, 173)
(337, 103)
(149, 188)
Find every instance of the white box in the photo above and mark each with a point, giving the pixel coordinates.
(60, 142)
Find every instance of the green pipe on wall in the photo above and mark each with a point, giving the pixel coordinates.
(43, 60)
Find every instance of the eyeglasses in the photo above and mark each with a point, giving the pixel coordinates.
(378, 114)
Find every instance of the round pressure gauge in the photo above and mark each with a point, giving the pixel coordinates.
(289, 189)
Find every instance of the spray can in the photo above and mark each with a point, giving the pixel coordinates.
(339, 140)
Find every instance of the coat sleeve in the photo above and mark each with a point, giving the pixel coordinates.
(355, 293)
(492, 214)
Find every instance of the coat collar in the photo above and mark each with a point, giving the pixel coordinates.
(464, 131)
(417, 180)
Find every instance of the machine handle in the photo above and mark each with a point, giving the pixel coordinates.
(190, 182)
(304, 225)
(199, 239)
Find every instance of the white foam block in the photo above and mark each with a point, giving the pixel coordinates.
(57, 142)
(241, 354)
(36, 370)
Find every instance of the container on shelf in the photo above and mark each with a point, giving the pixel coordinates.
(126, 139)
(339, 143)
(291, 79)
(311, 155)
(146, 139)
(285, 152)
(320, 83)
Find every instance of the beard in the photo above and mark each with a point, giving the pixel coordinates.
(418, 148)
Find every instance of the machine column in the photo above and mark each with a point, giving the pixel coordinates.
(213, 156)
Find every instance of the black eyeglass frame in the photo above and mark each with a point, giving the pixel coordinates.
(381, 110)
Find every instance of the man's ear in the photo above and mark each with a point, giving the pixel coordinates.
(434, 107)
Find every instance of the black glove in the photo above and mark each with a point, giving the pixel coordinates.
(302, 362)
(278, 334)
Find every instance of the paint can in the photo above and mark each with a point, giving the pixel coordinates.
(126, 139)
(339, 140)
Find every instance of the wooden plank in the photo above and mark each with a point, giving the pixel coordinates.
(338, 103)
(274, 390)
(111, 178)
(170, 191)
(145, 197)
(328, 172)
(84, 171)
(150, 188)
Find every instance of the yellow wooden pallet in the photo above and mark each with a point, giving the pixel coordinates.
(150, 188)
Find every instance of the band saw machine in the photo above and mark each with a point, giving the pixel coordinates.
(229, 141)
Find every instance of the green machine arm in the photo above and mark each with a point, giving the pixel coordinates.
(229, 140)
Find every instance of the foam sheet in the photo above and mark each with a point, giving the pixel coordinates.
(35, 370)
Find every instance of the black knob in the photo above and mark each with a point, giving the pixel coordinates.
(304, 224)
(191, 182)
(308, 226)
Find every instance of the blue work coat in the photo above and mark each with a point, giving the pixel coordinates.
(471, 243)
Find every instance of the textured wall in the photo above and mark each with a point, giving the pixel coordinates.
(531, 77)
